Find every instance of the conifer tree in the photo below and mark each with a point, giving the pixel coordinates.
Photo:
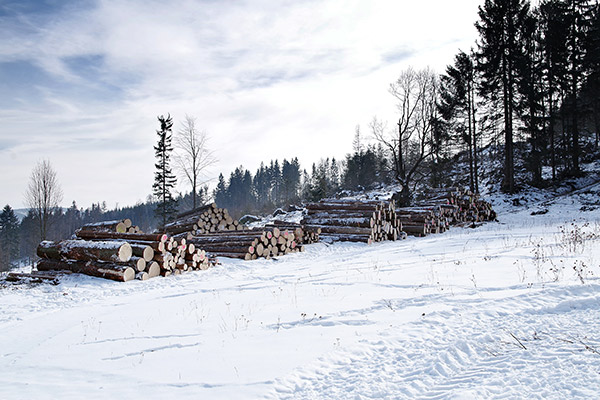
(500, 29)
(9, 237)
(164, 179)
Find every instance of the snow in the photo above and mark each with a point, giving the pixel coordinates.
(507, 310)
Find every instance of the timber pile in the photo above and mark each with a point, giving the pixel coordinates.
(122, 256)
(103, 259)
(441, 208)
(248, 244)
(118, 226)
(171, 255)
(303, 235)
(206, 219)
(353, 220)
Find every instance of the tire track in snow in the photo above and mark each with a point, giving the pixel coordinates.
(470, 352)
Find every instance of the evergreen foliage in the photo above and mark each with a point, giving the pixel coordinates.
(164, 179)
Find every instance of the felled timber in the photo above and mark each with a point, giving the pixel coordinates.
(114, 251)
(107, 270)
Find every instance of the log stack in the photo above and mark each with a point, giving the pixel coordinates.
(116, 226)
(303, 235)
(171, 255)
(248, 244)
(122, 256)
(353, 220)
(104, 259)
(438, 209)
(206, 219)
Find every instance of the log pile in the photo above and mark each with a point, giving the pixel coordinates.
(441, 208)
(249, 244)
(206, 219)
(171, 255)
(303, 235)
(103, 259)
(353, 220)
(117, 226)
(121, 256)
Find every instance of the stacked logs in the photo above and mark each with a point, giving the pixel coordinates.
(206, 219)
(179, 256)
(353, 220)
(248, 244)
(441, 208)
(170, 255)
(303, 235)
(121, 256)
(118, 226)
(422, 221)
(104, 259)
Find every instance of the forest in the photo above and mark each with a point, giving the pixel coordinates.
(519, 108)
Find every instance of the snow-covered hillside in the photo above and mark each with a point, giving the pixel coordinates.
(507, 310)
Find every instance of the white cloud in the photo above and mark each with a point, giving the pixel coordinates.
(266, 80)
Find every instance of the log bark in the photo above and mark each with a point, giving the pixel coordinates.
(115, 251)
(92, 268)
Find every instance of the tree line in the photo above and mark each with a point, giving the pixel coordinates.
(284, 183)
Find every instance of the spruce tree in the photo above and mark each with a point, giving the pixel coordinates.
(500, 29)
(9, 237)
(164, 179)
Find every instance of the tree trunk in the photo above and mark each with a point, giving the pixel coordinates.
(98, 269)
(85, 251)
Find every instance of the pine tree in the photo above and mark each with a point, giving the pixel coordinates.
(592, 67)
(9, 237)
(531, 88)
(500, 29)
(457, 109)
(578, 18)
(221, 193)
(164, 179)
(553, 25)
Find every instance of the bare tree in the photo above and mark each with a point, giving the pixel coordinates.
(43, 194)
(411, 144)
(193, 156)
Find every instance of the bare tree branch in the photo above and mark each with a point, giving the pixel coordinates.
(43, 194)
(192, 154)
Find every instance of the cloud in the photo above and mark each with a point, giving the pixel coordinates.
(266, 80)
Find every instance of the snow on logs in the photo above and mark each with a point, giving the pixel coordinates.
(438, 209)
(249, 244)
(117, 226)
(206, 219)
(353, 220)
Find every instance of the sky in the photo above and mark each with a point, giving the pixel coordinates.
(82, 82)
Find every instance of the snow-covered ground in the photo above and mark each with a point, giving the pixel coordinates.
(507, 310)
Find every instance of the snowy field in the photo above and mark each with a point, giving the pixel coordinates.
(507, 310)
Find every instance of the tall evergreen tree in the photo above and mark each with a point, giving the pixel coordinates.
(457, 108)
(592, 67)
(9, 237)
(553, 25)
(531, 87)
(578, 18)
(500, 28)
(164, 179)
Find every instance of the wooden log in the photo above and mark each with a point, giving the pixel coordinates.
(88, 235)
(361, 222)
(342, 229)
(348, 238)
(243, 256)
(142, 276)
(119, 226)
(98, 269)
(215, 248)
(141, 250)
(115, 251)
